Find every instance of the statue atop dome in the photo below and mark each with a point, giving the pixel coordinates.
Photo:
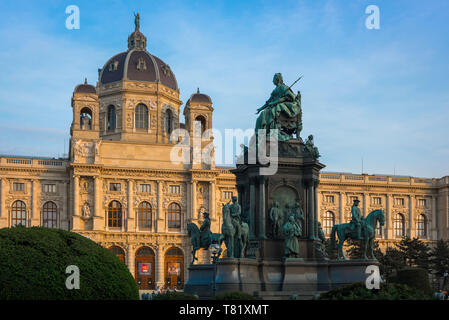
(281, 111)
(137, 21)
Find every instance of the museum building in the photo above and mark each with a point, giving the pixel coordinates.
(120, 188)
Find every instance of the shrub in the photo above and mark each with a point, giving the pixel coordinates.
(415, 278)
(391, 291)
(33, 264)
(234, 295)
(175, 296)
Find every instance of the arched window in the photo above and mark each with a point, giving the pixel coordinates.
(168, 121)
(50, 215)
(115, 214)
(398, 225)
(422, 226)
(112, 118)
(118, 252)
(145, 218)
(378, 230)
(201, 122)
(174, 268)
(141, 116)
(86, 119)
(328, 222)
(174, 217)
(18, 213)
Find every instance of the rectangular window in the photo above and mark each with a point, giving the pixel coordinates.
(175, 189)
(18, 186)
(227, 194)
(145, 188)
(50, 188)
(400, 201)
(330, 199)
(377, 200)
(421, 202)
(114, 187)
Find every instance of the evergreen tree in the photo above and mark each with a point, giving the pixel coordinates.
(391, 262)
(415, 252)
(439, 260)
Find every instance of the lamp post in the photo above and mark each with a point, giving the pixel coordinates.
(215, 250)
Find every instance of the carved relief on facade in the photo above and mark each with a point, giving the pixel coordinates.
(83, 152)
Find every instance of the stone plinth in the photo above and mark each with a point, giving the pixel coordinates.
(272, 279)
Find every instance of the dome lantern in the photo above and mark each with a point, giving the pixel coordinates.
(137, 40)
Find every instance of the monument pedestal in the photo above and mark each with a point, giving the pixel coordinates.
(274, 279)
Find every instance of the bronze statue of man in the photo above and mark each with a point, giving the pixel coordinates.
(291, 235)
(299, 215)
(205, 234)
(236, 212)
(356, 221)
(276, 220)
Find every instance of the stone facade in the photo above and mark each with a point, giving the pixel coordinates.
(120, 188)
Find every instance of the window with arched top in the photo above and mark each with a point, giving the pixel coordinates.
(328, 222)
(422, 226)
(399, 225)
(200, 124)
(18, 213)
(145, 268)
(50, 215)
(141, 116)
(119, 252)
(378, 230)
(112, 118)
(115, 214)
(85, 119)
(174, 217)
(168, 121)
(145, 218)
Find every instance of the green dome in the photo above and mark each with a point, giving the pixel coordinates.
(33, 264)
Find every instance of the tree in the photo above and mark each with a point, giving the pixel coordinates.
(355, 249)
(415, 252)
(391, 262)
(439, 260)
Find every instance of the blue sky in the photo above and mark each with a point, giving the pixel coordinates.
(381, 95)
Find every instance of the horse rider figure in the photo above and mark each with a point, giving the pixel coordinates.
(205, 234)
(356, 221)
(236, 211)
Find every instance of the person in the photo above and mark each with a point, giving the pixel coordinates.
(276, 220)
(356, 221)
(291, 235)
(205, 234)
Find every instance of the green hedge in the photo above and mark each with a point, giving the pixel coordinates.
(392, 291)
(175, 296)
(234, 295)
(33, 262)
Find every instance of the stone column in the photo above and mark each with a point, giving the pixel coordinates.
(364, 204)
(340, 208)
(160, 281)
(159, 215)
(315, 209)
(262, 209)
(35, 210)
(99, 217)
(411, 218)
(3, 212)
(213, 216)
(130, 221)
(130, 260)
(76, 207)
(434, 233)
(252, 209)
(193, 200)
(310, 211)
(388, 221)
(63, 212)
